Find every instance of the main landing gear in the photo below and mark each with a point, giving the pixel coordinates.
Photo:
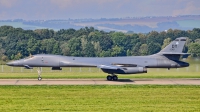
(39, 73)
(112, 77)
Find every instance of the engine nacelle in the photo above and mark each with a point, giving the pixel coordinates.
(126, 70)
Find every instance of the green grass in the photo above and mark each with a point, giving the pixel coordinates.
(193, 71)
(16, 72)
(100, 98)
(79, 75)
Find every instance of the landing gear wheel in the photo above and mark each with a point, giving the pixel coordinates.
(39, 70)
(109, 78)
(115, 78)
(39, 78)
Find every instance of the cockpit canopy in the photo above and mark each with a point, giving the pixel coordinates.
(31, 56)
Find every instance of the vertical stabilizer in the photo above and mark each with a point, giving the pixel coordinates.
(175, 47)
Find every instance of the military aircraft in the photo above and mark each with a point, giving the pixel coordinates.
(166, 58)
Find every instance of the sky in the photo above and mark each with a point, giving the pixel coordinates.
(81, 9)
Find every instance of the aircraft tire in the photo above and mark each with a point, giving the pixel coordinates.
(109, 78)
(39, 78)
(115, 78)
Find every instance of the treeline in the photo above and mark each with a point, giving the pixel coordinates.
(16, 43)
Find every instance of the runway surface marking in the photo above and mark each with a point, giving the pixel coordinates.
(99, 82)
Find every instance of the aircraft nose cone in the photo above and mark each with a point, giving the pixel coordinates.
(9, 64)
(14, 63)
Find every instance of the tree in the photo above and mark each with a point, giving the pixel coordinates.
(89, 42)
(97, 48)
(194, 49)
(124, 41)
(45, 33)
(64, 35)
(105, 53)
(194, 34)
(65, 49)
(74, 45)
(117, 51)
(56, 48)
(170, 33)
(4, 58)
(33, 46)
(2, 52)
(89, 50)
(18, 56)
(166, 42)
(154, 48)
(136, 48)
(153, 37)
(142, 38)
(143, 49)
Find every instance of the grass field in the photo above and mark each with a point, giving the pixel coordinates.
(16, 72)
(79, 75)
(100, 98)
(139, 98)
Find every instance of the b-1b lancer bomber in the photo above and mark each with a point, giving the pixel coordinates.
(166, 58)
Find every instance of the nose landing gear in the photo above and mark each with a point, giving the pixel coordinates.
(39, 73)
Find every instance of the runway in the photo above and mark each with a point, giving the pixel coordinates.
(100, 82)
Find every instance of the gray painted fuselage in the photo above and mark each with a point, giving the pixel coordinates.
(43, 60)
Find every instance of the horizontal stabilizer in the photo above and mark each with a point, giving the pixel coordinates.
(176, 53)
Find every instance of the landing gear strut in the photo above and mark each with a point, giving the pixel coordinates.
(39, 73)
(112, 77)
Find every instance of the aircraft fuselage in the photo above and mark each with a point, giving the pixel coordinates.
(151, 61)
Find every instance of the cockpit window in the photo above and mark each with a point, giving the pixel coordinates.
(183, 39)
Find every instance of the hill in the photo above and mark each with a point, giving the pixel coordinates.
(133, 24)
